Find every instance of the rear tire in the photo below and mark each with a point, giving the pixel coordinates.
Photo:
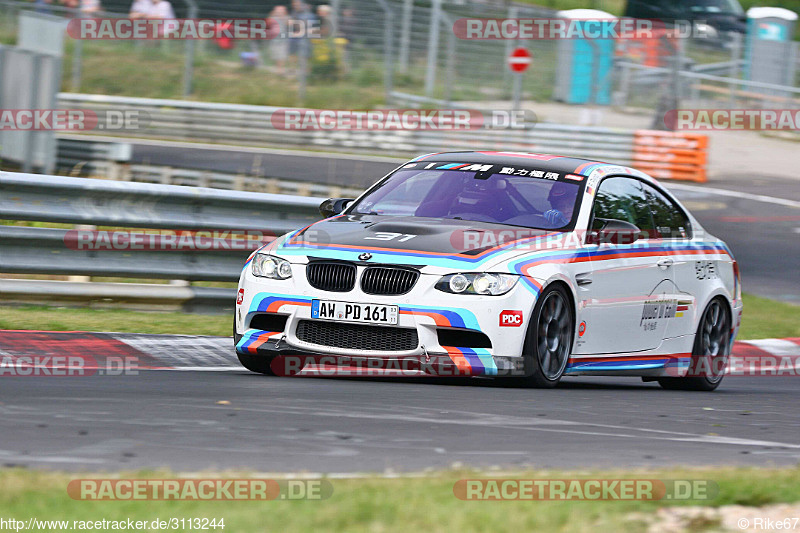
(548, 341)
(712, 347)
(254, 363)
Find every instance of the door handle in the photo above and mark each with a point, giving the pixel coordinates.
(665, 263)
(584, 278)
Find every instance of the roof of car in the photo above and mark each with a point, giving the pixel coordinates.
(549, 162)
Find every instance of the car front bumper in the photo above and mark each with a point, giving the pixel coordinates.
(424, 310)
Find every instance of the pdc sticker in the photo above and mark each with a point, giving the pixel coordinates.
(510, 319)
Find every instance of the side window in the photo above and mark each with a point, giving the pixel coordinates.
(671, 222)
(622, 199)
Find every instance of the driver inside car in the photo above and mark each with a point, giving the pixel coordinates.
(561, 203)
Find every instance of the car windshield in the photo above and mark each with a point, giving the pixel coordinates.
(716, 6)
(500, 198)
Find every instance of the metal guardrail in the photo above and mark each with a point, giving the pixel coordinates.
(245, 124)
(55, 251)
(76, 156)
(252, 125)
(718, 90)
(239, 182)
(143, 205)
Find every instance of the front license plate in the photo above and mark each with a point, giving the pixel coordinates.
(353, 312)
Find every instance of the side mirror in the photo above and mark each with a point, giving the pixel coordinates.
(614, 232)
(333, 206)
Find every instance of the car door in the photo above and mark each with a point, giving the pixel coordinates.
(675, 231)
(625, 292)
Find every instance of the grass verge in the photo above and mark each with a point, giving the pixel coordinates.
(400, 504)
(115, 320)
(763, 318)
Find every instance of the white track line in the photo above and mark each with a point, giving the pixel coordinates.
(776, 346)
(735, 194)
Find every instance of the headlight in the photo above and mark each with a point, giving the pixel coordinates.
(268, 266)
(482, 283)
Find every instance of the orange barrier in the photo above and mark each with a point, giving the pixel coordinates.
(671, 155)
(650, 51)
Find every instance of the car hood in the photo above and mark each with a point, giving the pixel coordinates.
(409, 240)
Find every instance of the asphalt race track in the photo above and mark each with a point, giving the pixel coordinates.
(348, 425)
(763, 234)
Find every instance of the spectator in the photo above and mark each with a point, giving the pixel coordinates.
(90, 7)
(152, 9)
(140, 9)
(72, 6)
(279, 45)
(160, 9)
(43, 6)
(325, 23)
(300, 46)
(347, 24)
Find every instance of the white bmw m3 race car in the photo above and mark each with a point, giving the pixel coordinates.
(521, 266)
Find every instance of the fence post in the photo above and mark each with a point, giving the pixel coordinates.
(433, 47)
(513, 13)
(625, 85)
(405, 34)
(736, 57)
(77, 58)
(388, 49)
(793, 59)
(33, 98)
(450, 68)
(188, 68)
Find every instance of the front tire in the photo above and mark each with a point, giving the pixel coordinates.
(548, 342)
(712, 347)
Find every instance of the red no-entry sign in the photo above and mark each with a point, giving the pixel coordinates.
(519, 60)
